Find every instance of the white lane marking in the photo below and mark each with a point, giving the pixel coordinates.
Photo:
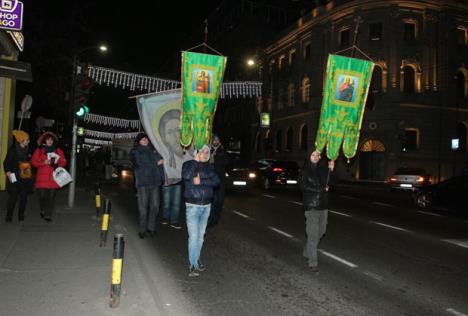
(349, 264)
(455, 312)
(429, 213)
(339, 213)
(374, 276)
(280, 232)
(240, 214)
(390, 226)
(295, 202)
(348, 197)
(382, 204)
(269, 196)
(459, 242)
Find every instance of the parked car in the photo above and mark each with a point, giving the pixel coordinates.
(448, 195)
(409, 179)
(274, 172)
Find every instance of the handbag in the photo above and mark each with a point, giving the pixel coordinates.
(62, 177)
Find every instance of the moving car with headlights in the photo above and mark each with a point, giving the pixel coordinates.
(277, 173)
(240, 177)
(409, 179)
(448, 195)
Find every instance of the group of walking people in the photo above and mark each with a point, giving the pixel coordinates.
(203, 193)
(21, 178)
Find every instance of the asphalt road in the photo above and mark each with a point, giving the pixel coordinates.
(380, 256)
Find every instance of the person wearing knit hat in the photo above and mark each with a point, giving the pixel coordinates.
(46, 158)
(20, 136)
(17, 167)
(199, 179)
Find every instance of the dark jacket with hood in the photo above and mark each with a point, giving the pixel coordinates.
(145, 168)
(201, 194)
(313, 183)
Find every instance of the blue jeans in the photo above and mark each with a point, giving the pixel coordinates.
(148, 207)
(172, 195)
(197, 218)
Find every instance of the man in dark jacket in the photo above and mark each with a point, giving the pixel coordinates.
(219, 160)
(314, 187)
(149, 176)
(199, 179)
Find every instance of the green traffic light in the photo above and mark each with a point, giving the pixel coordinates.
(82, 111)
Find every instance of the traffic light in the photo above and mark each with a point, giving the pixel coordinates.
(82, 91)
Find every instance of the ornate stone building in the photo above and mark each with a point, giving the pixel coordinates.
(419, 96)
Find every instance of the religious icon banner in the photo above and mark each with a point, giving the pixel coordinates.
(160, 116)
(202, 75)
(347, 85)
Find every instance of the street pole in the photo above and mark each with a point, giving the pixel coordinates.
(71, 188)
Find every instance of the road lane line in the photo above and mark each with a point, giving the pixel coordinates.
(429, 213)
(280, 232)
(269, 196)
(459, 242)
(382, 204)
(390, 226)
(339, 213)
(349, 264)
(455, 312)
(295, 202)
(240, 214)
(374, 276)
(348, 197)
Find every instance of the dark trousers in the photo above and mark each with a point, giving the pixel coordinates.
(46, 201)
(316, 226)
(148, 207)
(13, 194)
(218, 202)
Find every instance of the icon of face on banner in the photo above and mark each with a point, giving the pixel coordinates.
(169, 130)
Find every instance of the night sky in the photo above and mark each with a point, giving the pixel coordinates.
(143, 37)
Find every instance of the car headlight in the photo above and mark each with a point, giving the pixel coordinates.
(226, 174)
(252, 175)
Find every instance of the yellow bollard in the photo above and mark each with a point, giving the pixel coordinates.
(117, 262)
(105, 222)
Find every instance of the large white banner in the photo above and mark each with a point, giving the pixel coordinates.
(160, 116)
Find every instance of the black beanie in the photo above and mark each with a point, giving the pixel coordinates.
(140, 136)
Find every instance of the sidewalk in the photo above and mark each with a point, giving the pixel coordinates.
(58, 268)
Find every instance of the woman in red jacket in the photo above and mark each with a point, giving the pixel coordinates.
(46, 158)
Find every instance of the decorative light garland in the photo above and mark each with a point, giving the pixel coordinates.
(127, 80)
(98, 142)
(105, 135)
(111, 121)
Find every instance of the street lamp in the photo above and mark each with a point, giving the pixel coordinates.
(250, 62)
(71, 190)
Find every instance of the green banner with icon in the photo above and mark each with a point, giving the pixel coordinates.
(347, 85)
(202, 75)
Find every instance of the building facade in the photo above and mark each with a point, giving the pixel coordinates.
(418, 101)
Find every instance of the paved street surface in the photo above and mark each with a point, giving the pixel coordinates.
(380, 256)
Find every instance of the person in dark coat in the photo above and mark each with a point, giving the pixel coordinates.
(219, 160)
(17, 167)
(46, 158)
(314, 187)
(199, 179)
(149, 176)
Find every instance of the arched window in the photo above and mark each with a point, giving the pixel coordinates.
(460, 85)
(304, 137)
(461, 135)
(376, 83)
(289, 139)
(305, 90)
(291, 94)
(279, 140)
(408, 79)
